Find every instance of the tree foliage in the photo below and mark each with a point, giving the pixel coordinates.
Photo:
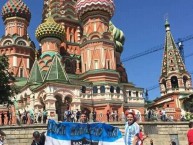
(7, 88)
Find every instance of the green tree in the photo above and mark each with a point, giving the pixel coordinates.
(7, 88)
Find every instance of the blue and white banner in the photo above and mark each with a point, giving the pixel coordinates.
(82, 134)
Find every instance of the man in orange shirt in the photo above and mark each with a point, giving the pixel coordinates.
(190, 133)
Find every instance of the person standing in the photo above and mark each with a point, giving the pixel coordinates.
(190, 134)
(94, 116)
(36, 139)
(77, 115)
(44, 116)
(131, 130)
(39, 116)
(108, 115)
(142, 137)
(83, 118)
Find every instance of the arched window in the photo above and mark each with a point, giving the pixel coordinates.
(8, 42)
(83, 89)
(20, 72)
(95, 89)
(118, 90)
(102, 89)
(174, 82)
(21, 43)
(185, 78)
(112, 89)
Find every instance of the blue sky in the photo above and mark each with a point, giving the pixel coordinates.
(142, 22)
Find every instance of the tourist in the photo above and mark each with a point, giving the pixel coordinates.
(2, 118)
(45, 114)
(72, 117)
(151, 142)
(94, 116)
(39, 116)
(8, 117)
(142, 137)
(32, 117)
(37, 139)
(2, 137)
(163, 115)
(24, 117)
(149, 114)
(131, 130)
(19, 114)
(190, 134)
(83, 118)
(108, 115)
(77, 115)
(173, 142)
(65, 115)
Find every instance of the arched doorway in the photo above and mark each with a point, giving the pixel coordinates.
(174, 82)
(62, 106)
(59, 108)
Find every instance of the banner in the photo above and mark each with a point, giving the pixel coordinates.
(82, 134)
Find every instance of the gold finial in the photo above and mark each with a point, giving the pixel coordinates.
(49, 9)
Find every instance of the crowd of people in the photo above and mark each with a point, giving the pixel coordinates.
(161, 115)
(74, 116)
(133, 133)
(29, 117)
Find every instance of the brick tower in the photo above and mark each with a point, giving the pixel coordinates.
(175, 81)
(16, 43)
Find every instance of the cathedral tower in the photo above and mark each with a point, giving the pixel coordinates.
(175, 81)
(174, 76)
(97, 44)
(50, 35)
(16, 43)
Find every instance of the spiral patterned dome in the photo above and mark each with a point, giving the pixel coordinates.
(50, 29)
(118, 36)
(16, 8)
(84, 6)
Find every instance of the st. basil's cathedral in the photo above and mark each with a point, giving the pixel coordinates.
(78, 65)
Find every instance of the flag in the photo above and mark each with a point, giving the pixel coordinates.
(82, 134)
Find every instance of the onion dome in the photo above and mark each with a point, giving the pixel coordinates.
(118, 36)
(50, 29)
(84, 6)
(16, 8)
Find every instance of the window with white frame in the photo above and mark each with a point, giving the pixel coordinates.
(96, 64)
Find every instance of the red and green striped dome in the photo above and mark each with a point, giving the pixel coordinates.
(50, 29)
(84, 6)
(16, 8)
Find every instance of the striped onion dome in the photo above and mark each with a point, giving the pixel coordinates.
(50, 29)
(84, 6)
(16, 8)
(118, 36)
